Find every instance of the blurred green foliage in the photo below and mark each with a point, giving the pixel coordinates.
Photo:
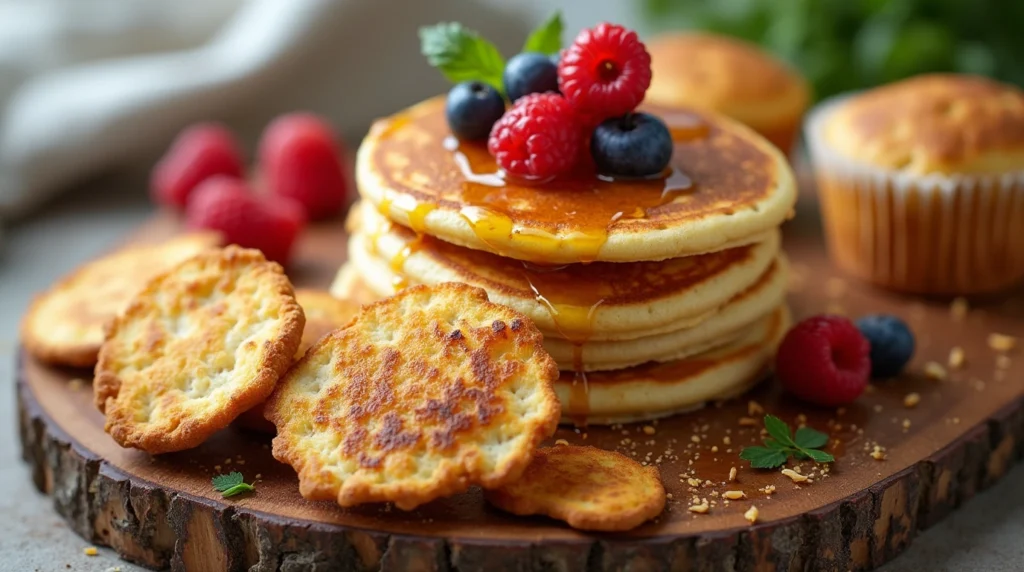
(850, 44)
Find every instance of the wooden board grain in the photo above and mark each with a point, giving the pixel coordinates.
(162, 512)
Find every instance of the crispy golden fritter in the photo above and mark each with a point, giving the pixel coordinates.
(65, 324)
(423, 395)
(199, 345)
(589, 488)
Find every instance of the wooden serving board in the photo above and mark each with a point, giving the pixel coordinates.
(163, 513)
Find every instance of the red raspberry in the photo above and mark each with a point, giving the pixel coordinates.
(605, 72)
(824, 360)
(538, 138)
(302, 159)
(199, 152)
(227, 205)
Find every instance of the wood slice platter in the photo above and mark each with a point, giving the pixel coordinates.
(162, 512)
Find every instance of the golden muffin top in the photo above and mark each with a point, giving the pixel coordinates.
(726, 75)
(936, 123)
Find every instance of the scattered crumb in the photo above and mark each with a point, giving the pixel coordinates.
(695, 438)
(693, 482)
(748, 422)
(701, 508)
(878, 453)
(911, 400)
(794, 476)
(258, 476)
(1001, 342)
(934, 370)
(956, 357)
(732, 474)
(754, 408)
(714, 448)
(751, 514)
(216, 468)
(727, 440)
(668, 496)
(90, 551)
(958, 309)
(649, 430)
(561, 442)
(906, 424)
(734, 495)
(768, 489)
(227, 461)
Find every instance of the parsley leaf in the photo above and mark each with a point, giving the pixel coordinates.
(547, 38)
(807, 438)
(461, 54)
(763, 457)
(231, 484)
(782, 443)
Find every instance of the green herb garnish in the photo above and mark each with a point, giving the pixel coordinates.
(547, 38)
(805, 444)
(461, 54)
(231, 484)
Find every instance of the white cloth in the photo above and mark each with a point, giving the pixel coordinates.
(92, 85)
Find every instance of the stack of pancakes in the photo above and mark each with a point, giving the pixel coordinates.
(654, 296)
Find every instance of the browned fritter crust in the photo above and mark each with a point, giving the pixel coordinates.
(64, 325)
(195, 348)
(423, 395)
(587, 487)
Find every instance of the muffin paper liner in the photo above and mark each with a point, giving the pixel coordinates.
(926, 234)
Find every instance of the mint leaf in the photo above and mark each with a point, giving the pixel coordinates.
(773, 444)
(222, 483)
(807, 438)
(778, 429)
(818, 456)
(763, 457)
(461, 54)
(237, 490)
(547, 38)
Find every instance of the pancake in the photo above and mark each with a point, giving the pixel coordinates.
(580, 302)
(349, 285)
(727, 186)
(651, 391)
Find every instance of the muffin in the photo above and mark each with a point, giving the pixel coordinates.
(922, 183)
(732, 77)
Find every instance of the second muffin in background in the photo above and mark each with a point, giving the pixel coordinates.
(922, 182)
(732, 77)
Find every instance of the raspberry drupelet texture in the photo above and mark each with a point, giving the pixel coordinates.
(538, 138)
(605, 72)
(824, 360)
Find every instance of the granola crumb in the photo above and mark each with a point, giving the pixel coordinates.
(956, 357)
(701, 508)
(1001, 342)
(754, 408)
(90, 551)
(794, 476)
(668, 496)
(748, 422)
(751, 514)
(801, 419)
(727, 440)
(768, 489)
(258, 476)
(911, 400)
(693, 482)
(561, 442)
(935, 370)
(734, 495)
(958, 309)
(732, 474)
(695, 438)
(906, 424)
(714, 448)
(878, 453)
(649, 430)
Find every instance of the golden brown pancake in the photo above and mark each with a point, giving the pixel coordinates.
(579, 302)
(726, 186)
(656, 390)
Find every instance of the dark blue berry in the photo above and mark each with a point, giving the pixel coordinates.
(634, 145)
(472, 108)
(892, 344)
(529, 73)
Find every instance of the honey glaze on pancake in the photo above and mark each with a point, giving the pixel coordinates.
(713, 172)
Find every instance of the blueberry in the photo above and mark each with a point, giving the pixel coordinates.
(529, 73)
(634, 145)
(472, 108)
(892, 344)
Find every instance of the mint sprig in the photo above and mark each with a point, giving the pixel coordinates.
(461, 54)
(231, 484)
(547, 38)
(781, 444)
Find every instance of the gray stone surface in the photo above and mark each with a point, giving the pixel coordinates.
(984, 536)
